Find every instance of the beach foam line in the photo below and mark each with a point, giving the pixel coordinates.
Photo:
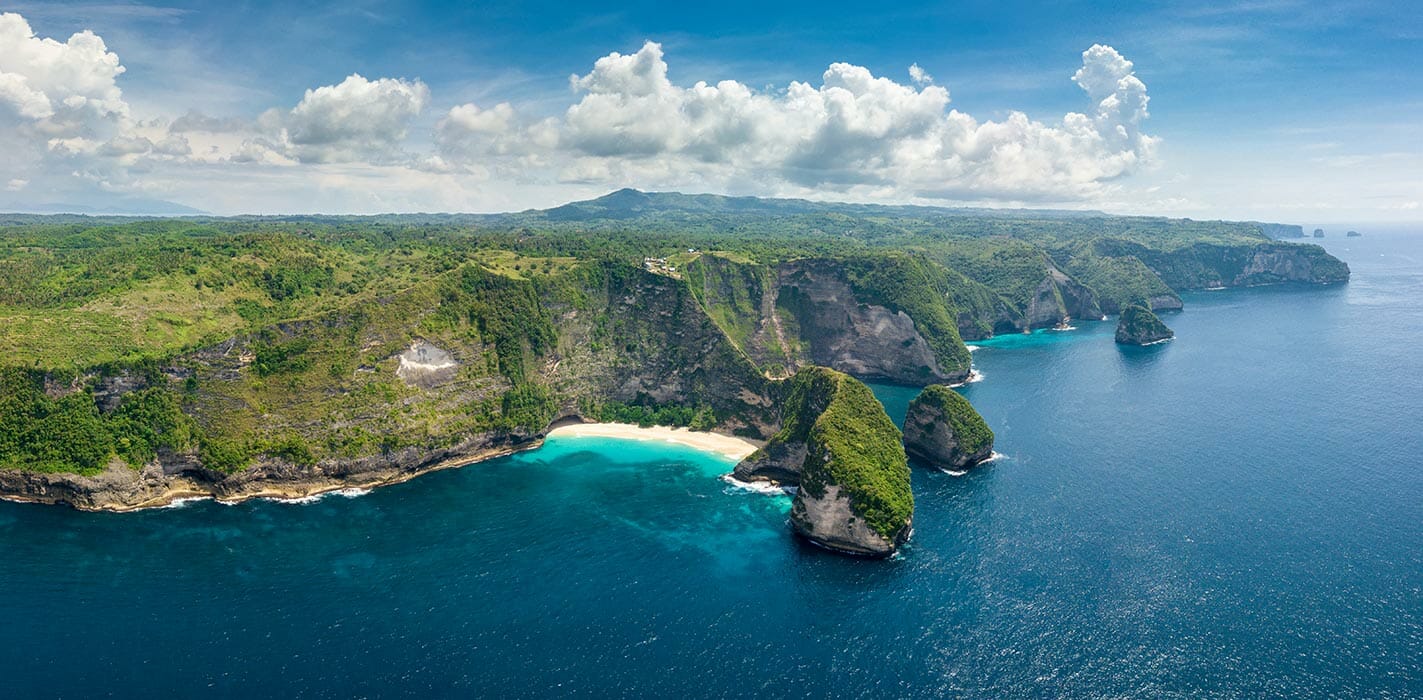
(348, 492)
(762, 487)
(183, 502)
(733, 448)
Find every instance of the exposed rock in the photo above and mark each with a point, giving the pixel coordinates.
(839, 447)
(1138, 326)
(176, 476)
(1282, 230)
(1319, 233)
(942, 429)
(1059, 298)
(426, 365)
(842, 332)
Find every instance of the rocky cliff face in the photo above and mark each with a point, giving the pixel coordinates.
(839, 447)
(1282, 230)
(176, 476)
(840, 331)
(942, 429)
(1138, 326)
(1058, 298)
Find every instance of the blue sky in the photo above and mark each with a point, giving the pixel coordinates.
(1309, 112)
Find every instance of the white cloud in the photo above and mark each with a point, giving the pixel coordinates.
(854, 132)
(355, 120)
(919, 75)
(59, 88)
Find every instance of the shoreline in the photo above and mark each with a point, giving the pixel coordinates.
(178, 489)
(733, 448)
(186, 489)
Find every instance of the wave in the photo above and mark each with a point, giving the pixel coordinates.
(762, 487)
(974, 348)
(964, 472)
(349, 492)
(184, 502)
(974, 376)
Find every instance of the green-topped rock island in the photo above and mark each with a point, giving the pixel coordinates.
(1139, 326)
(842, 451)
(943, 429)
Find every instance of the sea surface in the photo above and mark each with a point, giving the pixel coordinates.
(1238, 512)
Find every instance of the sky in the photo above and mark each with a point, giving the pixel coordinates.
(1298, 111)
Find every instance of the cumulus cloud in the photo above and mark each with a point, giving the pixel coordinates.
(58, 87)
(854, 130)
(64, 118)
(355, 120)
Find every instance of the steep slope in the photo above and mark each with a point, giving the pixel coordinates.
(844, 453)
(942, 428)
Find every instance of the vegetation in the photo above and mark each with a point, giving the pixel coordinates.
(851, 443)
(278, 337)
(1139, 326)
(969, 428)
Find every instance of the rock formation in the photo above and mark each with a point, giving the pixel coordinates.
(1139, 326)
(845, 455)
(943, 429)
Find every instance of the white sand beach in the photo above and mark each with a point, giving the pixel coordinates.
(730, 447)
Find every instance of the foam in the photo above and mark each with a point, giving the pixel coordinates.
(184, 502)
(762, 487)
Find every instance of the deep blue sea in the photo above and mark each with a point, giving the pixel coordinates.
(1238, 512)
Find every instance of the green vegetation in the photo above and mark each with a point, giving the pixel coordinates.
(851, 443)
(919, 289)
(278, 337)
(969, 428)
(1139, 326)
(43, 433)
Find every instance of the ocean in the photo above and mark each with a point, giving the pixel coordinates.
(1238, 512)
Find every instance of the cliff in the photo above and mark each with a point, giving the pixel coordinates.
(1282, 230)
(846, 456)
(1139, 326)
(943, 429)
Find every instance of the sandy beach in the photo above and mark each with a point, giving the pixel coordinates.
(730, 447)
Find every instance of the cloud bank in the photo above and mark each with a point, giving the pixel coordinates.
(847, 133)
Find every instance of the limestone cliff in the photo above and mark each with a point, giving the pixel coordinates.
(846, 456)
(942, 429)
(841, 331)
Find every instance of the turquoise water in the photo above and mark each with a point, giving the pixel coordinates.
(1236, 512)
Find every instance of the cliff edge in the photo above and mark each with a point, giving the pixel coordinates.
(838, 445)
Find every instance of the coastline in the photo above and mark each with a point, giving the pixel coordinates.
(733, 448)
(183, 488)
(120, 489)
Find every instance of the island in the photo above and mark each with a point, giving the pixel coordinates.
(943, 430)
(151, 360)
(1319, 233)
(846, 459)
(1139, 326)
(1353, 234)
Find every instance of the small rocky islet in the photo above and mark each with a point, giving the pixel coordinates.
(1138, 325)
(942, 429)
